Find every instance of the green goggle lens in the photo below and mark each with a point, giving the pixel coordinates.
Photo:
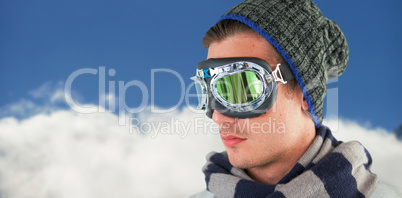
(240, 88)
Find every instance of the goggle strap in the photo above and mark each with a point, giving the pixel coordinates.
(282, 73)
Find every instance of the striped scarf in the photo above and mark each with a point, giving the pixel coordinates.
(329, 168)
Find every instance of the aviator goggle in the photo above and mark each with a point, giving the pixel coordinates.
(238, 87)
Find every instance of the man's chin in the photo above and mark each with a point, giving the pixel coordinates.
(237, 160)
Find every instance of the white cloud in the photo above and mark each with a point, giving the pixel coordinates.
(67, 154)
(42, 91)
(49, 91)
(22, 108)
(49, 97)
(45, 99)
(57, 96)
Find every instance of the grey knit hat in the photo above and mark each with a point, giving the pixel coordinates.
(313, 46)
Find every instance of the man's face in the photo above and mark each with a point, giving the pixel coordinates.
(270, 137)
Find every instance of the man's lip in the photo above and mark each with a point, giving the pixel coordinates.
(232, 140)
(229, 137)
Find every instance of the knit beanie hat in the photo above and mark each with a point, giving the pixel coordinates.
(313, 46)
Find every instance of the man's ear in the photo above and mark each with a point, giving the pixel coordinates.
(304, 104)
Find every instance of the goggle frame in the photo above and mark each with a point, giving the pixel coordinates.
(268, 82)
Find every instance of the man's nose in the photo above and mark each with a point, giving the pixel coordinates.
(220, 119)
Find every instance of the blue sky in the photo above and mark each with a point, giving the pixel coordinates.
(44, 42)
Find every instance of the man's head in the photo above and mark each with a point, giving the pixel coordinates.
(273, 135)
(279, 32)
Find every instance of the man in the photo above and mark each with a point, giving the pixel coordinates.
(263, 83)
